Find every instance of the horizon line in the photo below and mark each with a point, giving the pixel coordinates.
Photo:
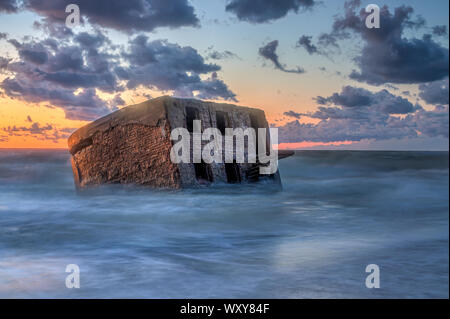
(301, 149)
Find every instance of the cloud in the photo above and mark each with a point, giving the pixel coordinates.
(260, 11)
(29, 119)
(46, 132)
(65, 64)
(167, 66)
(63, 74)
(91, 41)
(362, 99)
(31, 52)
(68, 72)
(85, 105)
(4, 63)
(359, 114)
(9, 6)
(35, 128)
(328, 40)
(306, 43)
(268, 52)
(440, 30)
(387, 55)
(217, 55)
(339, 130)
(53, 29)
(435, 92)
(349, 97)
(432, 123)
(293, 114)
(116, 101)
(127, 16)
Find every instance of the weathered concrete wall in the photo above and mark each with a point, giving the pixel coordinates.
(238, 117)
(130, 153)
(150, 113)
(131, 145)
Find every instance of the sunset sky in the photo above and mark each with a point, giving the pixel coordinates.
(321, 76)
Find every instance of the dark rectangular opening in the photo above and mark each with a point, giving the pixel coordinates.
(254, 123)
(221, 119)
(233, 173)
(191, 115)
(268, 144)
(203, 173)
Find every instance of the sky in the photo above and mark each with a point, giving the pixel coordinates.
(322, 77)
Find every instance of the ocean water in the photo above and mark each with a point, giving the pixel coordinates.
(338, 213)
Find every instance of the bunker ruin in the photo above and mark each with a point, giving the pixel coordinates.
(133, 144)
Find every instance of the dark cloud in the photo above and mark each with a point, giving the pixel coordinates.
(4, 63)
(29, 119)
(306, 43)
(387, 55)
(31, 52)
(9, 6)
(435, 92)
(260, 11)
(66, 65)
(127, 16)
(167, 66)
(117, 101)
(382, 101)
(35, 128)
(85, 105)
(46, 132)
(349, 97)
(432, 123)
(62, 74)
(53, 29)
(373, 127)
(3, 35)
(440, 30)
(268, 52)
(67, 72)
(57, 135)
(293, 114)
(217, 55)
(328, 40)
(339, 130)
(356, 118)
(91, 41)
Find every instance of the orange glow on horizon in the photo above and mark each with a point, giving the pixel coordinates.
(16, 113)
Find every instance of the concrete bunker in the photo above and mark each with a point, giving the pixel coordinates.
(133, 144)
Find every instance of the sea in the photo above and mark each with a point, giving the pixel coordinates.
(343, 221)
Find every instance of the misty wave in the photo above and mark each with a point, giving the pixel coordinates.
(338, 212)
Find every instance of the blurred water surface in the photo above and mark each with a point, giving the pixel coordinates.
(339, 211)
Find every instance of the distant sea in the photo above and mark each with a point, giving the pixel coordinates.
(339, 211)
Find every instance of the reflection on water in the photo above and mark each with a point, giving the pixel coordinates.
(338, 212)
